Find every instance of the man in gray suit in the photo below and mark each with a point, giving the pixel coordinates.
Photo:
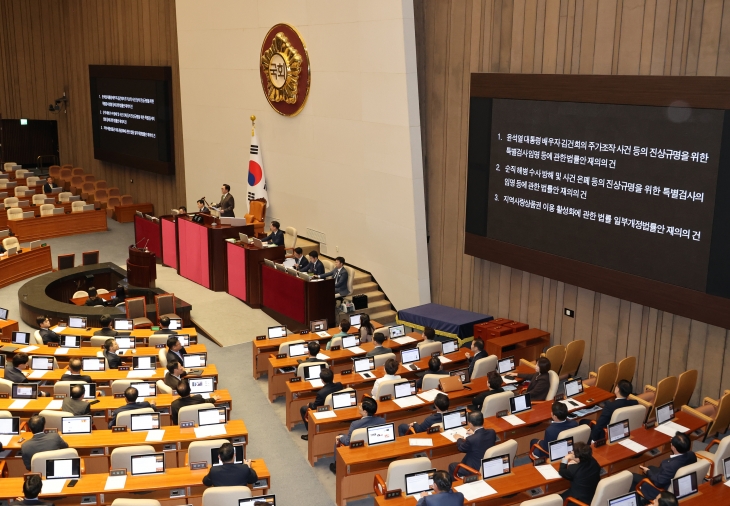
(40, 442)
(340, 275)
(227, 203)
(15, 374)
(130, 394)
(379, 349)
(368, 407)
(75, 403)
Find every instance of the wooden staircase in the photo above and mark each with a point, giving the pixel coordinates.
(378, 306)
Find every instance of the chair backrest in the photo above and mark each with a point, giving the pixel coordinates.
(396, 478)
(15, 213)
(484, 366)
(722, 452)
(8, 414)
(257, 210)
(218, 496)
(54, 171)
(626, 368)
(47, 209)
(700, 468)
(634, 414)
(573, 357)
(66, 261)
(77, 181)
(55, 362)
(360, 435)
(431, 381)
(66, 174)
(88, 187)
(113, 202)
(665, 391)
(6, 386)
(37, 339)
(31, 181)
(38, 199)
(157, 339)
(53, 418)
(199, 451)
(100, 184)
(549, 500)
(9, 166)
(11, 242)
(38, 462)
(284, 347)
(89, 177)
(127, 199)
(612, 486)
(119, 386)
(121, 458)
(386, 388)
(100, 195)
(328, 399)
(97, 341)
(606, 376)
(20, 191)
(300, 367)
(162, 387)
(495, 403)
(556, 355)
(554, 383)
(290, 237)
(100, 354)
(124, 418)
(580, 433)
(722, 416)
(114, 192)
(162, 357)
(165, 304)
(10, 202)
(190, 413)
(335, 341)
(427, 348)
(64, 196)
(685, 388)
(77, 171)
(90, 257)
(80, 293)
(78, 206)
(380, 360)
(99, 291)
(350, 278)
(124, 501)
(136, 307)
(508, 447)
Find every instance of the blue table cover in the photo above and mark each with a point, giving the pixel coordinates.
(447, 321)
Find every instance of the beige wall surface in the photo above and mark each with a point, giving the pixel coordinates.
(349, 165)
(637, 37)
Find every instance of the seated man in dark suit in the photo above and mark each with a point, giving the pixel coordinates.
(32, 487)
(93, 299)
(313, 348)
(582, 471)
(477, 441)
(559, 423)
(165, 326)
(202, 209)
(75, 403)
(185, 399)
(230, 474)
(15, 374)
(441, 403)
(495, 387)
(276, 236)
(327, 377)
(175, 350)
(368, 407)
(45, 331)
(300, 261)
(379, 349)
(74, 372)
(110, 353)
(622, 391)
(49, 186)
(315, 265)
(340, 275)
(175, 374)
(477, 352)
(442, 494)
(682, 455)
(434, 367)
(106, 327)
(130, 394)
(40, 442)
(665, 499)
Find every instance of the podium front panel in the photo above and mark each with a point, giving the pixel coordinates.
(237, 271)
(169, 243)
(193, 240)
(284, 293)
(148, 232)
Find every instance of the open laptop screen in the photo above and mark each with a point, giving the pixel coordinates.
(153, 463)
(201, 385)
(573, 387)
(397, 331)
(450, 346)
(144, 363)
(318, 325)
(520, 403)
(350, 342)
(3, 313)
(93, 364)
(237, 455)
(419, 482)
(461, 373)
(506, 365)
(123, 324)
(618, 431)
(21, 338)
(269, 500)
(409, 356)
(41, 363)
(144, 421)
(145, 388)
(194, 360)
(495, 466)
(211, 416)
(685, 486)
(277, 332)
(24, 391)
(344, 400)
(455, 419)
(77, 322)
(624, 500)
(664, 413)
(125, 343)
(70, 341)
(76, 425)
(560, 448)
(63, 468)
(726, 468)
(378, 434)
(298, 350)
(175, 324)
(312, 372)
(10, 425)
(2, 361)
(405, 389)
(364, 364)
(355, 319)
(89, 389)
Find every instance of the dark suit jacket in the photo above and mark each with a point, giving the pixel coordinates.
(230, 475)
(96, 301)
(171, 381)
(35, 502)
(539, 385)
(226, 205)
(378, 350)
(597, 432)
(275, 238)
(41, 442)
(49, 336)
(367, 421)
(81, 378)
(430, 420)
(176, 356)
(475, 445)
(114, 360)
(662, 476)
(479, 398)
(551, 434)
(450, 498)
(315, 267)
(205, 210)
(47, 188)
(165, 331)
(473, 360)
(340, 276)
(323, 392)
(181, 402)
(302, 264)
(108, 332)
(584, 477)
(14, 375)
(128, 407)
(76, 406)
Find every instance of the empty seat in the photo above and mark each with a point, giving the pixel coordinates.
(64, 196)
(127, 200)
(20, 191)
(54, 171)
(136, 309)
(89, 177)
(66, 261)
(9, 166)
(121, 458)
(80, 293)
(38, 462)
(11, 242)
(218, 496)
(66, 177)
(87, 189)
(100, 185)
(38, 199)
(47, 209)
(31, 181)
(78, 206)
(77, 171)
(76, 183)
(114, 192)
(90, 258)
(165, 305)
(111, 204)
(15, 213)
(10, 202)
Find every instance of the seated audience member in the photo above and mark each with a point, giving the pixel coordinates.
(15, 374)
(106, 327)
(175, 350)
(559, 423)
(110, 353)
(32, 487)
(661, 476)
(344, 332)
(434, 367)
(45, 331)
(622, 392)
(230, 474)
(477, 441)
(182, 210)
(276, 236)
(118, 298)
(75, 403)
(477, 353)
(582, 471)
(313, 347)
(366, 329)
(340, 275)
(94, 299)
(495, 387)
(175, 374)
(49, 186)
(165, 326)
(40, 442)
(391, 367)
(300, 261)
(202, 208)
(315, 265)
(74, 372)
(329, 387)
(539, 380)
(441, 403)
(379, 349)
(665, 499)
(368, 407)
(442, 494)
(429, 335)
(130, 395)
(185, 399)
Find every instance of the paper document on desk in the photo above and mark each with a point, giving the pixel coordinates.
(155, 435)
(513, 420)
(5, 439)
(321, 415)
(142, 373)
(289, 262)
(573, 404)
(356, 350)
(670, 428)
(453, 434)
(210, 430)
(323, 334)
(37, 374)
(115, 482)
(28, 349)
(55, 404)
(53, 486)
(588, 411)
(19, 404)
(407, 402)
(61, 351)
(322, 356)
(475, 490)
(417, 441)
(57, 328)
(429, 395)
(205, 395)
(318, 383)
(403, 340)
(548, 472)
(444, 360)
(507, 381)
(633, 446)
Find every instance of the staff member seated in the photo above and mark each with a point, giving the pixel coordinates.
(182, 210)
(477, 441)
(110, 353)
(665, 499)
(495, 387)
(40, 442)
(582, 471)
(434, 367)
(175, 350)
(49, 186)
(340, 275)
(300, 261)
(327, 377)
(106, 327)
(93, 299)
(622, 391)
(315, 265)
(165, 326)
(379, 349)
(130, 394)
(477, 352)
(660, 477)
(276, 236)
(230, 474)
(32, 487)
(75, 403)
(74, 372)
(14, 373)
(45, 331)
(559, 423)
(202, 209)
(441, 403)
(368, 407)
(185, 399)
(539, 380)
(313, 347)
(175, 374)
(344, 332)
(442, 494)
(391, 367)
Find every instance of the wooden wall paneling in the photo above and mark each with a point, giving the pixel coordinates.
(723, 56)
(647, 37)
(607, 331)
(505, 43)
(631, 43)
(617, 30)
(696, 354)
(715, 355)
(693, 38)
(622, 331)
(553, 32)
(529, 29)
(570, 301)
(709, 43)
(539, 37)
(524, 297)
(536, 297)
(678, 346)
(604, 37)
(515, 294)
(518, 24)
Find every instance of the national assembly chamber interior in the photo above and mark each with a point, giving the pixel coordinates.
(364, 252)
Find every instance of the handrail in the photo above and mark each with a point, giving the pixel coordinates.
(41, 157)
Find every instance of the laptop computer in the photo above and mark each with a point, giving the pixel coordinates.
(280, 267)
(201, 385)
(573, 387)
(24, 391)
(2, 361)
(726, 468)
(144, 421)
(685, 486)
(270, 500)
(379, 434)
(152, 463)
(665, 413)
(268, 262)
(312, 372)
(145, 388)
(560, 448)
(257, 242)
(77, 322)
(122, 324)
(89, 389)
(350, 342)
(185, 339)
(93, 364)
(455, 419)
(318, 326)
(364, 365)
(505, 365)
(63, 468)
(194, 360)
(175, 323)
(405, 389)
(409, 356)
(619, 431)
(629, 499)
(277, 332)
(144, 363)
(10, 425)
(495, 466)
(126, 343)
(419, 482)
(298, 350)
(243, 238)
(450, 346)
(70, 341)
(397, 331)
(3, 313)
(463, 374)
(41, 363)
(343, 400)
(303, 275)
(519, 403)
(76, 425)
(237, 455)
(34, 245)
(212, 416)
(355, 320)
(21, 338)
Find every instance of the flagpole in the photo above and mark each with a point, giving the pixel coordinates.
(253, 124)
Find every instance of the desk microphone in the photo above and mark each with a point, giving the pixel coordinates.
(145, 245)
(136, 245)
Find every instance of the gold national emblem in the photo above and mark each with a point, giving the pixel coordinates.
(285, 72)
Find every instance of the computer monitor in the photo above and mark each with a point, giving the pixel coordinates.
(726, 468)
(455, 419)
(270, 500)
(379, 434)
(76, 425)
(89, 389)
(93, 364)
(410, 356)
(519, 403)
(41, 363)
(175, 324)
(152, 463)
(243, 238)
(237, 455)
(303, 275)
(311, 372)
(618, 431)
(344, 400)
(70, 341)
(318, 326)
(144, 363)
(3, 313)
(195, 360)
(24, 391)
(123, 324)
(126, 343)
(449, 346)
(277, 332)
(201, 385)
(573, 387)
(212, 416)
(507, 364)
(63, 468)
(397, 331)
(21, 338)
(355, 319)
(144, 421)
(405, 389)
(685, 486)
(77, 322)
(629, 499)
(298, 350)
(363, 364)
(2, 361)
(350, 341)
(11, 425)
(560, 448)
(145, 388)
(419, 482)
(665, 413)
(184, 339)
(495, 466)
(463, 374)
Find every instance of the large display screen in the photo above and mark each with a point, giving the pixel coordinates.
(132, 116)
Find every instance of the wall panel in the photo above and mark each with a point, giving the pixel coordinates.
(672, 37)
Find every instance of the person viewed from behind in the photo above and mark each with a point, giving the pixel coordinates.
(94, 299)
(582, 471)
(622, 391)
(665, 499)
(75, 403)
(367, 409)
(477, 441)
(661, 476)
(558, 424)
(344, 332)
(442, 494)
(379, 349)
(391, 367)
(106, 327)
(15, 374)
(441, 403)
(495, 387)
(32, 487)
(330, 387)
(366, 329)
(41, 441)
(230, 474)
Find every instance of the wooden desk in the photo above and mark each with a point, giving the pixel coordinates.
(25, 265)
(89, 351)
(708, 494)
(8, 327)
(66, 206)
(80, 301)
(243, 270)
(140, 334)
(126, 213)
(527, 344)
(59, 225)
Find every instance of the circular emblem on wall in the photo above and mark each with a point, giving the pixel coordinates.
(284, 70)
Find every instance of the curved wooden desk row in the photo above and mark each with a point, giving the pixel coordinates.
(59, 225)
(115, 374)
(65, 354)
(138, 334)
(66, 206)
(25, 265)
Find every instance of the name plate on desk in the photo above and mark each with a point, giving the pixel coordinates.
(119, 428)
(296, 379)
(52, 345)
(159, 346)
(538, 462)
(599, 443)
(123, 368)
(118, 472)
(322, 408)
(559, 397)
(435, 354)
(281, 355)
(303, 332)
(239, 439)
(49, 431)
(59, 396)
(261, 338)
(392, 494)
(433, 429)
(335, 348)
(384, 398)
(346, 372)
(502, 413)
(198, 465)
(716, 479)
(187, 425)
(4, 396)
(118, 396)
(357, 444)
(649, 425)
(4, 340)
(471, 478)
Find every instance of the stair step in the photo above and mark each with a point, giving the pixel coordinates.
(384, 317)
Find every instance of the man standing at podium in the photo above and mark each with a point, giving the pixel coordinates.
(227, 203)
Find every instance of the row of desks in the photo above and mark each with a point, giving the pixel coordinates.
(67, 354)
(27, 264)
(59, 225)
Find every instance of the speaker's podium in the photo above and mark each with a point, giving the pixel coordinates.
(141, 268)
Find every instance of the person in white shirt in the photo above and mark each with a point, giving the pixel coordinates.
(391, 367)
